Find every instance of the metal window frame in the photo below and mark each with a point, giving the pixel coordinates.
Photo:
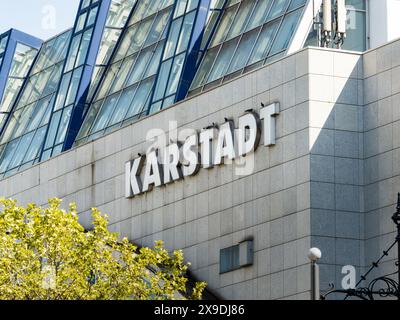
(144, 46)
(88, 66)
(191, 53)
(206, 85)
(108, 65)
(15, 37)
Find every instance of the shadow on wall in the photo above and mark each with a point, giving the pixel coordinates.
(352, 161)
(336, 162)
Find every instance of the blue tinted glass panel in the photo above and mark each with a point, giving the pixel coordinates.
(173, 38)
(286, 32)
(242, 52)
(259, 14)
(163, 80)
(241, 19)
(253, 25)
(277, 9)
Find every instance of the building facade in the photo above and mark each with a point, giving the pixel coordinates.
(101, 103)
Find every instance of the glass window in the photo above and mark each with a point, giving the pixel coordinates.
(23, 120)
(180, 8)
(285, 32)
(155, 107)
(62, 129)
(73, 88)
(23, 57)
(62, 93)
(28, 88)
(173, 38)
(192, 5)
(140, 36)
(259, 14)
(34, 148)
(126, 43)
(57, 150)
(241, 19)
(73, 53)
(8, 154)
(356, 31)
(21, 150)
(38, 113)
(141, 9)
(140, 101)
(81, 22)
(356, 4)
(51, 135)
(229, 259)
(89, 119)
(82, 53)
(157, 28)
(104, 114)
(119, 13)
(85, 4)
(3, 44)
(186, 31)
(168, 102)
(10, 94)
(162, 79)
(109, 40)
(3, 118)
(123, 105)
(205, 67)
(46, 155)
(140, 66)
(54, 79)
(277, 9)
(14, 118)
(61, 47)
(155, 61)
(119, 80)
(224, 25)
(264, 41)
(92, 16)
(243, 51)
(175, 74)
(223, 59)
(46, 117)
(112, 72)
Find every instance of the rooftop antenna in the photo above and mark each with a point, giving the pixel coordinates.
(341, 20)
(326, 36)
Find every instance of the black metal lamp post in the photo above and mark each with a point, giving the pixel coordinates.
(384, 286)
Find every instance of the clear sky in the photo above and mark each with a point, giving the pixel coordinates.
(41, 18)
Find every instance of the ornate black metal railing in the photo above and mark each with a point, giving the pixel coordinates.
(382, 287)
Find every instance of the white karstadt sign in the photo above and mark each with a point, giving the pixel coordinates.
(209, 148)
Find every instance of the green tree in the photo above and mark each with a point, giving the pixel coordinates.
(45, 253)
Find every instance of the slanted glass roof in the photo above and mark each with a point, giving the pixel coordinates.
(175, 54)
(250, 33)
(124, 59)
(70, 87)
(17, 52)
(23, 136)
(117, 18)
(125, 90)
(22, 61)
(97, 30)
